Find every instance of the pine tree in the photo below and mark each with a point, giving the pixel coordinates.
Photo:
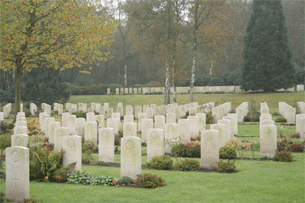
(267, 57)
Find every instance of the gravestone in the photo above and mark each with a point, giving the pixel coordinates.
(194, 125)
(235, 123)
(201, 121)
(170, 136)
(52, 126)
(184, 130)
(72, 124)
(1, 116)
(21, 140)
(102, 111)
(100, 121)
(33, 109)
(64, 120)
(60, 133)
(140, 117)
(160, 122)
(129, 129)
(155, 145)
(72, 146)
(118, 116)
(80, 127)
(109, 112)
(17, 174)
(90, 117)
(221, 132)
(146, 123)
(138, 109)
(91, 132)
(302, 129)
(106, 145)
(18, 130)
(120, 110)
(21, 123)
(298, 123)
(113, 123)
(46, 125)
(129, 110)
(60, 109)
(106, 106)
(209, 149)
(170, 118)
(128, 119)
(131, 157)
(268, 140)
(97, 108)
(227, 132)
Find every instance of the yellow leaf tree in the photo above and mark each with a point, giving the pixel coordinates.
(63, 34)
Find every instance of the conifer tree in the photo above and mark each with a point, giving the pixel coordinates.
(267, 57)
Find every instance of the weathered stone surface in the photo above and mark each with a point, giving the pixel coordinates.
(146, 124)
(155, 143)
(129, 129)
(91, 132)
(52, 127)
(106, 145)
(21, 140)
(160, 122)
(184, 130)
(209, 149)
(17, 174)
(72, 146)
(131, 157)
(60, 133)
(268, 140)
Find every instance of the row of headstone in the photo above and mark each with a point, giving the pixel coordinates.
(242, 110)
(179, 90)
(300, 88)
(268, 133)
(219, 111)
(287, 112)
(20, 136)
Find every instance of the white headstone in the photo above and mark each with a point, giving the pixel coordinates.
(100, 121)
(64, 120)
(155, 143)
(268, 140)
(91, 132)
(21, 140)
(130, 129)
(90, 117)
(160, 122)
(80, 127)
(140, 117)
(131, 157)
(60, 133)
(138, 109)
(52, 127)
(72, 124)
(17, 174)
(72, 146)
(209, 149)
(128, 119)
(194, 125)
(171, 135)
(18, 130)
(201, 121)
(113, 123)
(146, 123)
(106, 145)
(184, 130)
(171, 118)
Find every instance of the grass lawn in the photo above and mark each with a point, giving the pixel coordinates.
(256, 181)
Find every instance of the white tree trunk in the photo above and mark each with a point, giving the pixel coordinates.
(167, 86)
(173, 82)
(193, 72)
(125, 78)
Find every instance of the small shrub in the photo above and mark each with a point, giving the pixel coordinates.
(160, 163)
(282, 146)
(2, 197)
(188, 165)
(283, 156)
(117, 140)
(297, 135)
(236, 144)
(254, 118)
(89, 146)
(190, 149)
(296, 147)
(84, 178)
(265, 158)
(87, 157)
(227, 152)
(80, 114)
(125, 181)
(153, 84)
(209, 118)
(5, 141)
(148, 180)
(4, 126)
(280, 119)
(226, 166)
(44, 164)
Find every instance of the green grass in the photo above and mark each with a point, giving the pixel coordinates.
(256, 181)
(272, 99)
